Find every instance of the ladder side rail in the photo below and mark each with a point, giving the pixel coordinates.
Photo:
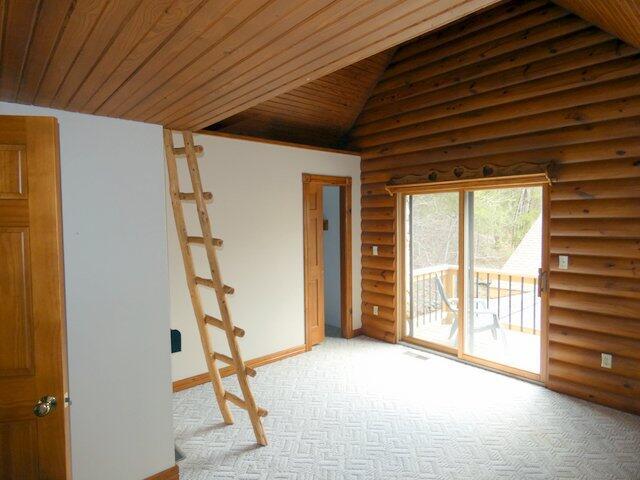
(218, 284)
(178, 214)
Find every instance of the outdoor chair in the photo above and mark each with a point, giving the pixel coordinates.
(481, 311)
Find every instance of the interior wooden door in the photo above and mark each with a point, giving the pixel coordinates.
(313, 263)
(33, 426)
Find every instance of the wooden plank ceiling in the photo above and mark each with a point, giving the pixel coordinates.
(619, 17)
(319, 113)
(190, 63)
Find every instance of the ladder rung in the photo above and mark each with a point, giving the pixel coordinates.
(242, 404)
(200, 241)
(222, 357)
(181, 151)
(192, 196)
(205, 282)
(229, 361)
(208, 319)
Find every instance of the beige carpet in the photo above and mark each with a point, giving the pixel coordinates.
(362, 409)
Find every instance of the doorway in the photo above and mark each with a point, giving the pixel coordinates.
(331, 253)
(474, 284)
(327, 257)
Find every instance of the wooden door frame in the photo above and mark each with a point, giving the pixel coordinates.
(545, 255)
(346, 274)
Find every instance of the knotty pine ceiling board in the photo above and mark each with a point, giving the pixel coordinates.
(618, 17)
(188, 64)
(317, 113)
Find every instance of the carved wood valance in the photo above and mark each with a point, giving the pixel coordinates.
(484, 176)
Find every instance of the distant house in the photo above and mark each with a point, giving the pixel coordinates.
(526, 258)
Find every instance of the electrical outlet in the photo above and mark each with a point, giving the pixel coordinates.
(374, 250)
(607, 360)
(563, 262)
(375, 309)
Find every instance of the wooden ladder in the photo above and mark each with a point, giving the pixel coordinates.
(221, 290)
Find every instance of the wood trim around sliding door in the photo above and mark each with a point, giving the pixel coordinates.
(544, 296)
(346, 274)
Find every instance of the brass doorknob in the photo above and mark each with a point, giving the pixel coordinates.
(45, 406)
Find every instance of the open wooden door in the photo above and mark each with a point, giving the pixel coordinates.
(33, 414)
(313, 261)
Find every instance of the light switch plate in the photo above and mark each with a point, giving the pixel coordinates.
(607, 360)
(563, 262)
(375, 310)
(374, 250)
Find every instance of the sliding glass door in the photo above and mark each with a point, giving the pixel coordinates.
(492, 314)
(504, 257)
(432, 226)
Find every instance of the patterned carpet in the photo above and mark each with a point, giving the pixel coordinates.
(361, 409)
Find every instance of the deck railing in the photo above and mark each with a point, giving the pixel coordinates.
(512, 296)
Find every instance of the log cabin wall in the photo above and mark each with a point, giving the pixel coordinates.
(524, 81)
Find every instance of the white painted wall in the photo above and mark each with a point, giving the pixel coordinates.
(257, 211)
(115, 258)
(331, 237)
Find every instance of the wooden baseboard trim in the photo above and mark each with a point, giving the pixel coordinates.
(168, 474)
(272, 357)
(189, 382)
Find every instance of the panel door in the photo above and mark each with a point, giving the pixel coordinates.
(314, 263)
(33, 416)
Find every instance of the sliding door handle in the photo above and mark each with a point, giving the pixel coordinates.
(543, 282)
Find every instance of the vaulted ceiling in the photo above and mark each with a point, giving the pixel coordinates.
(294, 71)
(190, 63)
(618, 17)
(390, 93)
(318, 113)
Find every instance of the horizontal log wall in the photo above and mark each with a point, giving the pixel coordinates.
(524, 82)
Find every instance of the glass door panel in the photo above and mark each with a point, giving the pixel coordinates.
(503, 248)
(431, 268)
